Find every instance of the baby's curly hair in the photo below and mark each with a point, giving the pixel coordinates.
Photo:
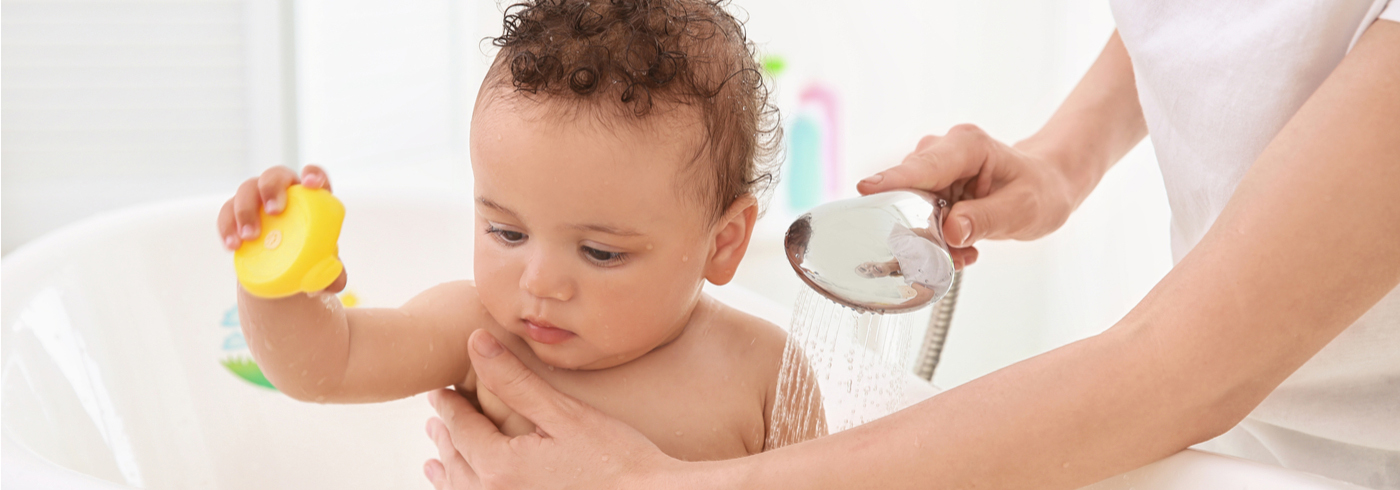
(641, 54)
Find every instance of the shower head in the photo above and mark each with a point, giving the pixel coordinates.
(881, 253)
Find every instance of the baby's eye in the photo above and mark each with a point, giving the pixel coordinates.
(506, 236)
(603, 257)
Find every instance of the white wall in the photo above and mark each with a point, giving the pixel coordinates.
(383, 96)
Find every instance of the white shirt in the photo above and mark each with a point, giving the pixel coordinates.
(1217, 81)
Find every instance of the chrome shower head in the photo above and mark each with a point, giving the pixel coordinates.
(882, 253)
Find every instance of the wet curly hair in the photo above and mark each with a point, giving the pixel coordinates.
(640, 56)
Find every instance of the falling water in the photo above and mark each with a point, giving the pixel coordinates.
(841, 368)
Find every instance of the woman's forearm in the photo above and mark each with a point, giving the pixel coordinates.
(1098, 123)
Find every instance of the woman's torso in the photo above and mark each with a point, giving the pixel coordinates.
(1217, 81)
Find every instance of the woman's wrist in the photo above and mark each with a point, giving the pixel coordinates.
(1079, 167)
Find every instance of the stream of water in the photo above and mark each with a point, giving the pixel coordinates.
(841, 368)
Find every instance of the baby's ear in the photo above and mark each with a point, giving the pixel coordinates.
(731, 239)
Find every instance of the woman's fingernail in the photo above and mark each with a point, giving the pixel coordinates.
(428, 470)
(433, 397)
(231, 242)
(249, 232)
(488, 347)
(966, 226)
(313, 181)
(273, 206)
(873, 179)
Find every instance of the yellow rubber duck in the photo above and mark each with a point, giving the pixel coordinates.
(297, 251)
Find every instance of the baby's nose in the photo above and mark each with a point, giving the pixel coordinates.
(545, 279)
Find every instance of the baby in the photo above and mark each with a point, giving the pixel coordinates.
(617, 149)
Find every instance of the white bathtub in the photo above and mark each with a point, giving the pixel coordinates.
(115, 331)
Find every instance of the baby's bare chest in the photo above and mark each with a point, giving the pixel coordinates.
(690, 413)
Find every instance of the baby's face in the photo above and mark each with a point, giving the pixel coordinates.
(585, 248)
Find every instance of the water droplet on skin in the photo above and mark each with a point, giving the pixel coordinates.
(680, 434)
(649, 246)
(430, 346)
(303, 372)
(551, 368)
(1066, 465)
(605, 457)
(685, 258)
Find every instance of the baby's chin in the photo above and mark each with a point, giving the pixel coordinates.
(575, 354)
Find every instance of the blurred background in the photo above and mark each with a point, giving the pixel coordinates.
(121, 102)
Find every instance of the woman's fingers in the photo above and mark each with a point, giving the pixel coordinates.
(937, 164)
(450, 471)
(471, 432)
(436, 474)
(568, 433)
(963, 257)
(314, 177)
(516, 385)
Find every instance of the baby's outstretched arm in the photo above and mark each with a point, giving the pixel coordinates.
(314, 349)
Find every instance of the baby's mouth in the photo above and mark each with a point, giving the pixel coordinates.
(545, 333)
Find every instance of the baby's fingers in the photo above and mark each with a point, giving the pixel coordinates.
(314, 177)
(228, 228)
(272, 188)
(339, 284)
(245, 210)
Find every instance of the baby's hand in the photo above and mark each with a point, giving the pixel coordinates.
(239, 220)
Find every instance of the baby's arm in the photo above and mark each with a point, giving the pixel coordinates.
(313, 349)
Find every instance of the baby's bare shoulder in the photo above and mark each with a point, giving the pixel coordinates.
(755, 343)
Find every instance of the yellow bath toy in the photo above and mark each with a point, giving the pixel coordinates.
(297, 250)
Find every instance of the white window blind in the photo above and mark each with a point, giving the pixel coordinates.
(111, 103)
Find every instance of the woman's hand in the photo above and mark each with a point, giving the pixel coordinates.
(998, 191)
(1026, 191)
(573, 446)
(239, 220)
